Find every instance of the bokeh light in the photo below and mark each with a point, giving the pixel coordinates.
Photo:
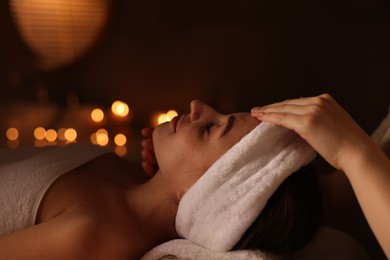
(40, 133)
(70, 135)
(120, 109)
(12, 134)
(61, 134)
(121, 151)
(120, 139)
(171, 114)
(102, 138)
(160, 118)
(97, 115)
(13, 144)
(51, 135)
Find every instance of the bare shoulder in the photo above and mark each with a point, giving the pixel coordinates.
(98, 238)
(106, 237)
(71, 235)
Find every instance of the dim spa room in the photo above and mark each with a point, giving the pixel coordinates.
(236, 129)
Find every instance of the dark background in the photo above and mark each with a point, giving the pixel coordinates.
(158, 55)
(232, 54)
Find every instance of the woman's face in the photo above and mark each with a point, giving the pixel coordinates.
(188, 145)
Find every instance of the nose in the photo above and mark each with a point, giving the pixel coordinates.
(198, 108)
(195, 109)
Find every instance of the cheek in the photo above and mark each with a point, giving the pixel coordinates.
(185, 161)
(171, 152)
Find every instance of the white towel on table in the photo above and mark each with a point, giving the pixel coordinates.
(184, 249)
(27, 173)
(329, 244)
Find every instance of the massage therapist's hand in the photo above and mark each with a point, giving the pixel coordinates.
(328, 128)
(149, 162)
(323, 123)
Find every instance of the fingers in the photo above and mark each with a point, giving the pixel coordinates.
(285, 106)
(149, 161)
(147, 132)
(301, 115)
(147, 144)
(148, 156)
(287, 115)
(297, 101)
(281, 108)
(288, 120)
(322, 122)
(300, 106)
(150, 169)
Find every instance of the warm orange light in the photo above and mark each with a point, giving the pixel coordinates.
(164, 117)
(61, 134)
(102, 137)
(121, 151)
(97, 115)
(120, 139)
(59, 31)
(12, 144)
(101, 131)
(40, 142)
(39, 133)
(120, 108)
(70, 135)
(93, 138)
(51, 135)
(171, 114)
(12, 133)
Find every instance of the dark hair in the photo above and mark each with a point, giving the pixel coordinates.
(291, 217)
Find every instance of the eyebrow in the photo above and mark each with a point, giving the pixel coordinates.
(229, 125)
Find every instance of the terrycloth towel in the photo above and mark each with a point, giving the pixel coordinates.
(328, 244)
(27, 173)
(184, 249)
(217, 210)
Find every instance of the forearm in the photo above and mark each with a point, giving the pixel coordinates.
(333, 133)
(369, 175)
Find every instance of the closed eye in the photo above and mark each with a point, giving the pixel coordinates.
(229, 125)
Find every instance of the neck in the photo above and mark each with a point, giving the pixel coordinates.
(155, 204)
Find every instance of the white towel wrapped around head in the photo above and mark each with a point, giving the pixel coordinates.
(217, 210)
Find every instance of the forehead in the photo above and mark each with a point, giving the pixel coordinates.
(244, 123)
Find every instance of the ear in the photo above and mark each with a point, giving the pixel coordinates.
(181, 193)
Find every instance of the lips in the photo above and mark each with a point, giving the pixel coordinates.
(174, 122)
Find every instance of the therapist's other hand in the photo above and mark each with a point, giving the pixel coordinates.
(149, 162)
(323, 123)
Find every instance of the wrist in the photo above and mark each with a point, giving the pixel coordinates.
(363, 159)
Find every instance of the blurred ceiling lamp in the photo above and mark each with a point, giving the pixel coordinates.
(59, 31)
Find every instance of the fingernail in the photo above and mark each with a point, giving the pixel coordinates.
(260, 114)
(255, 109)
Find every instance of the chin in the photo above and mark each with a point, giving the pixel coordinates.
(161, 131)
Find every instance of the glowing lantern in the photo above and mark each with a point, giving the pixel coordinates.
(59, 31)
